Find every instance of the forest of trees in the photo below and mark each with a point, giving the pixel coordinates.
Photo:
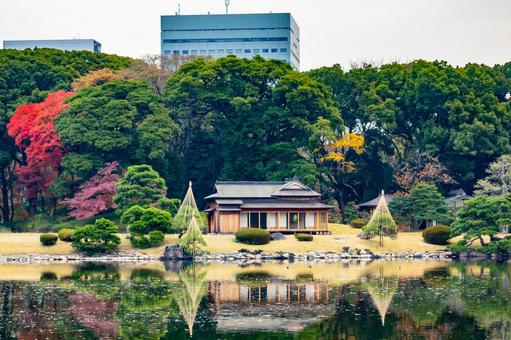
(72, 122)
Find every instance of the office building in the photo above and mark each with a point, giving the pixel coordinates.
(272, 36)
(62, 44)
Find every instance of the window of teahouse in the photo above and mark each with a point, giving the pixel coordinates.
(322, 219)
(283, 220)
(263, 219)
(293, 220)
(301, 220)
(254, 220)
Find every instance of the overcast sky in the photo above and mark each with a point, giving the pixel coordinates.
(332, 31)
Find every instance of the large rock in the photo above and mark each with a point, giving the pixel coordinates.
(277, 236)
(174, 252)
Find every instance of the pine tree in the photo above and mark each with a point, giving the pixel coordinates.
(187, 210)
(381, 223)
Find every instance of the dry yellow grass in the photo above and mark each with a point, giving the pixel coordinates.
(342, 236)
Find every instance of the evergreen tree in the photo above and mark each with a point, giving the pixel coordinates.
(381, 223)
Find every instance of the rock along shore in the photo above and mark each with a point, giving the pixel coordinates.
(173, 253)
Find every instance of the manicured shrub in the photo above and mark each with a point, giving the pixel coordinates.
(153, 239)
(439, 234)
(99, 237)
(48, 239)
(253, 236)
(66, 235)
(358, 223)
(304, 237)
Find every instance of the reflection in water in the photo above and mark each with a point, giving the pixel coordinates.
(381, 300)
(382, 290)
(189, 294)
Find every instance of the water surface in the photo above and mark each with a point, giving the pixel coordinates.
(375, 300)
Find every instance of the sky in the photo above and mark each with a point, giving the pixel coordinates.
(332, 31)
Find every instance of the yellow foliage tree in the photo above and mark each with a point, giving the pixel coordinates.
(336, 164)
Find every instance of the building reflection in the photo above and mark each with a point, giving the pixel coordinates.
(276, 305)
(280, 292)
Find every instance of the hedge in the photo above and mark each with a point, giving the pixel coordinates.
(66, 235)
(253, 236)
(48, 239)
(304, 237)
(439, 234)
(359, 223)
(153, 239)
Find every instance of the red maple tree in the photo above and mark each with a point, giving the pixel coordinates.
(96, 195)
(33, 129)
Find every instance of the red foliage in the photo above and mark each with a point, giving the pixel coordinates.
(33, 129)
(95, 195)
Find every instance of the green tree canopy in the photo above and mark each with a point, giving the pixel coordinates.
(27, 77)
(141, 186)
(251, 117)
(118, 121)
(424, 203)
(482, 216)
(145, 220)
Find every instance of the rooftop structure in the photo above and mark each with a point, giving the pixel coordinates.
(90, 45)
(272, 36)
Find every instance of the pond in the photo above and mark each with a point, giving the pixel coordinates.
(364, 300)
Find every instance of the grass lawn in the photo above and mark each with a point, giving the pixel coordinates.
(342, 236)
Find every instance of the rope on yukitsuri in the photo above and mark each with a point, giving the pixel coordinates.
(381, 223)
(188, 209)
(193, 241)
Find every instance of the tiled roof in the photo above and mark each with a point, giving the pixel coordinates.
(240, 190)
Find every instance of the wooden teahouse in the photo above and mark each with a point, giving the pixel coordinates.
(285, 207)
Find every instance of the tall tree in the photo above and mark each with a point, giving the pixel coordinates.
(482, 216)
(498, 181)
(423, 204)
(26, 77)
(140, 185)
(121, 120)
(251, 117)
(96, 195)
(32, 127)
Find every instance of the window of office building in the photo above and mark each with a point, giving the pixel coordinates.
(230, 50)
(185, 52)
(203, 52)
(211, 52)
(247, 50)
(194, 52)
(256, 50)
(175, 52)
(265, 50)
(221, 51)
(238, 50)
(283, 50)
(167, 52)
(274, 50)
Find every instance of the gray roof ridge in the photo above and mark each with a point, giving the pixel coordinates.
(251, 182)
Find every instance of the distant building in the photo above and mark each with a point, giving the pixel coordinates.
(272, 36)
(62, 44)
(285, 207)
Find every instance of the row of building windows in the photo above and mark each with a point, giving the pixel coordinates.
(229, 51)
(222, 40)
(227, 29)
(284, 220)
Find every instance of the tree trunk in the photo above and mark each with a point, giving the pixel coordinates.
(339, 198)
(32, 203)
(5, 200)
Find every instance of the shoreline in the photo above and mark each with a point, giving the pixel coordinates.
(243, 256)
